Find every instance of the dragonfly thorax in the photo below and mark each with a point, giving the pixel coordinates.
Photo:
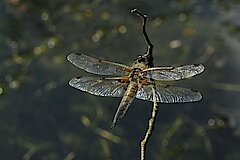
(143, 62)
(134, 75)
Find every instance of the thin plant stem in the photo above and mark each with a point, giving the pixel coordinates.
(147, 40)
(151, 123)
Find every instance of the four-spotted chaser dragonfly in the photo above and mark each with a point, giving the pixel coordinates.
(135, 81)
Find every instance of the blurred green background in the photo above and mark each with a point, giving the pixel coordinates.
(42, 117)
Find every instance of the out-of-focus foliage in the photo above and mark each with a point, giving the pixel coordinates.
(41, 117)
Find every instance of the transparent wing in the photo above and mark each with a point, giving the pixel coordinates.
(173, 73)
(168, 94)
(99, 87)
(97, 66)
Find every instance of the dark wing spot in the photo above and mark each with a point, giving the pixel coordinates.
(194, 90)
(167, 86)
(78, 54)
(79, 77)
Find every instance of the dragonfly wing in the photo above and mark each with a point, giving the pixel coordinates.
(173, 73)
(96, 66)
(168, 94)
(99, 87)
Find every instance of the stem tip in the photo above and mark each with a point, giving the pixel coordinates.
(133, 10)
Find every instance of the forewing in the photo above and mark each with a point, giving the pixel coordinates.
(96, 66)
(168, 94)
(173, 73)
(99, 87)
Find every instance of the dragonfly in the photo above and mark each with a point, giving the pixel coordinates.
(136, 81)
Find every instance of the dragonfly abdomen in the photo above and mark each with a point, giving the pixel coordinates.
(130, 92)
(127, 99)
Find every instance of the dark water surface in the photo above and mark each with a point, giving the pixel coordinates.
(42, 117)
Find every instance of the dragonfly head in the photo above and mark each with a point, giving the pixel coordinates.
(145, 59)
(141, 62)
(140, 59)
